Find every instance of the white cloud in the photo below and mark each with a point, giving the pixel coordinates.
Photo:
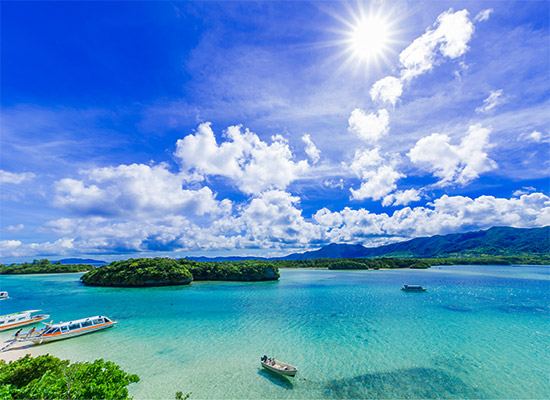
(535, 136)
(401, 198)
(365, 160)
(377, 183)
(454, 164)
(483, 15)
(445, 215)
(453, 31)
(495, 99)
(311, 150)
(524, 190)
(369, 127)
(252, 164)
(15, 178)
(387, 89)
(274, 221)
(15, 228)
(133, 191)
(333, 184)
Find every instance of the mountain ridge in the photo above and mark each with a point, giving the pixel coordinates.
(495, 241)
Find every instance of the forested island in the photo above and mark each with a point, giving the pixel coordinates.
(167, 272)
(43, 266)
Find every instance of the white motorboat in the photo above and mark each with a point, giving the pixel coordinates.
(3, 295)
(278, 367)
(66, 330)
(19, 319)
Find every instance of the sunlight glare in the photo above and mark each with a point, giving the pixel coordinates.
(369, 38)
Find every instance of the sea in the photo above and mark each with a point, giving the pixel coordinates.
(478, 332)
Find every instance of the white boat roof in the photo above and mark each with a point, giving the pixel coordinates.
(18, 313)
(77, 321)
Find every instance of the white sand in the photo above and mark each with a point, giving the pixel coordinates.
(18, 350)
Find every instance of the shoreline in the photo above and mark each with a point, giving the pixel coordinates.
(18, 351)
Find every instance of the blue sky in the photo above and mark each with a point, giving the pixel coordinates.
(264, 128)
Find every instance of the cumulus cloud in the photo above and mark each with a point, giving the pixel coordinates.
(401, 198)
(445, 215)
(483, 15)
(387, 89)
(453, 31)
(130, 190)
(251, 163)
(454, 164)
(15, 178)
(311, 150)
(377, 183)
(495, 99)
(273, 220)
(369, 127)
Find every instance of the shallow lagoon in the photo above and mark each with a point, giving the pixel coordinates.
(478, 332)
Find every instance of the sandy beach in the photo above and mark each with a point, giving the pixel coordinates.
(19, 350)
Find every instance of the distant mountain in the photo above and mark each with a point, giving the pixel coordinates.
(495, 241)
(82, 261)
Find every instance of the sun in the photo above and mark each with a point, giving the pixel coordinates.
(369, 38)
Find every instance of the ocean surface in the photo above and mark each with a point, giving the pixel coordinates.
(478, 332)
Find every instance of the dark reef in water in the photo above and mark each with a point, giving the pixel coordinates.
(409, 383)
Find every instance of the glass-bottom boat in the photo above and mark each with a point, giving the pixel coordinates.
(19, 319)
(66, 330)
(413, 288)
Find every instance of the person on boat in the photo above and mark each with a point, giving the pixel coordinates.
(31, 332)
(18, 332)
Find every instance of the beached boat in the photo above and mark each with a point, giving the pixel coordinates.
(3, 295)
(278, 367)
(66, 330)
(19, 319)
(413, 288)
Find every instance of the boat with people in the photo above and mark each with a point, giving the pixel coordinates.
(413, 288)
(278, 367)
(3, 295)
(66, 330)
(19, 319)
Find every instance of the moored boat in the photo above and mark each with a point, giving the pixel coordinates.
(413, 288)
(3, 295)
(278, 367)
(66, 330)
(19, 319)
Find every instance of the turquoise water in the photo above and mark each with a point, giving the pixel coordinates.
(478, 332)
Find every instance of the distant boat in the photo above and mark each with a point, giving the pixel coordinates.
(278, 367)
(19, 319)
(413, 288)
(66, 330)
(3, 295)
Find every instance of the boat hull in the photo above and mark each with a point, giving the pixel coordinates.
(60, 336)
(23, 323)
(289, 372)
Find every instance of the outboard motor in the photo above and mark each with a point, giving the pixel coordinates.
(264, 358)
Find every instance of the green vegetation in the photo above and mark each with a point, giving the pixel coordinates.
(248, 270)
(139, 272)
(48, 377)
(43, 266)
(491, 260)
(353, 263)
(165, 271)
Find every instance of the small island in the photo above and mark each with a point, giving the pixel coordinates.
(144, 272)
